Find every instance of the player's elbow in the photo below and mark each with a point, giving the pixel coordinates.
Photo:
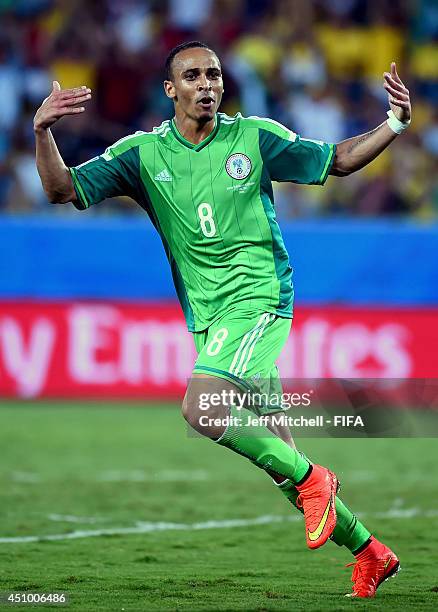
(59, 187)
(53, 197)
(340, 172)
(342, 166)
(58, 196)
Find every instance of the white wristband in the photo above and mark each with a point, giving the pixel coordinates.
(395, 124)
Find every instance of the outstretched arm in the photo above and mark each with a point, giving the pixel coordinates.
(355, 153)
(55, 177)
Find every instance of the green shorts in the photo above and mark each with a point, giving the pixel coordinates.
(242, 347)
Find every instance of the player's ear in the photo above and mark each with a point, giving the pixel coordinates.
(169, 89)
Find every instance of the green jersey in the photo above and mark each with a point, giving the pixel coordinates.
(213, 206)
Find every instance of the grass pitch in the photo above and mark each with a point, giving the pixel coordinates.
(135, 514)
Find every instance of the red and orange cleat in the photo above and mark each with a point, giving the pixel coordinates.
(317, 499)
(374, 565)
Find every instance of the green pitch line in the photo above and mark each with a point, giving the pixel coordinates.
(118, 466)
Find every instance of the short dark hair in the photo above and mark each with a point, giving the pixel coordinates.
(193, 44)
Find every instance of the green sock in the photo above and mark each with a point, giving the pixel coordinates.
(348, 532)
(263, 448)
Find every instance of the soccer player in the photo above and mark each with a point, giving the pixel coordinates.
(204, 178)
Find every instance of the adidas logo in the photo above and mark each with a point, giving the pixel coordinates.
(163, 176)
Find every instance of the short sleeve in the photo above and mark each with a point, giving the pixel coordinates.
(106, 176)
(288, 157)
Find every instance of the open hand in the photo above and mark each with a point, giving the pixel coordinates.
(60, 103)
(398, 94)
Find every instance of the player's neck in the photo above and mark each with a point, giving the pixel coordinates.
(194, 131)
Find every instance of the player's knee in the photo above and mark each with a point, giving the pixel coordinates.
(205, 419)
(186, 409)
(191, 411)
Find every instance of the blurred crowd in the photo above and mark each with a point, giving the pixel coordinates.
(314, 65)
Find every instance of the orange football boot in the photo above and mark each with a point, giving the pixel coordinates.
(317, 499)
(374, 565)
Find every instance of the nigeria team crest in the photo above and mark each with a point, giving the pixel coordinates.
(238, 166)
